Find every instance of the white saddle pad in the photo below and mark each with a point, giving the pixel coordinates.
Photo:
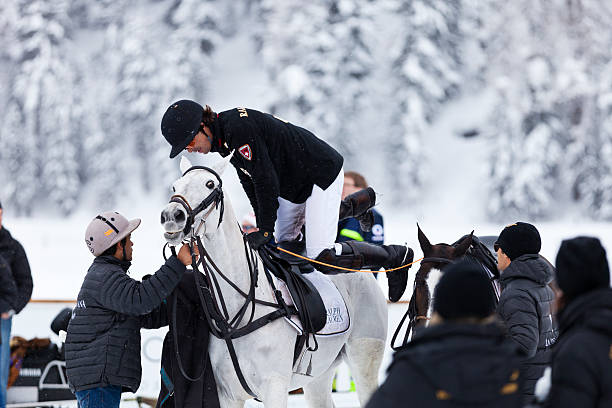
(338, 319)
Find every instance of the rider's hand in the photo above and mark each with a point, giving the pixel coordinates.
(259, 238)
(184, 254)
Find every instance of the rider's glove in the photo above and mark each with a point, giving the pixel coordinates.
(259, 238)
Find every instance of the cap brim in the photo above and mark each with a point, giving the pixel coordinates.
(133, 224)
(177, 149)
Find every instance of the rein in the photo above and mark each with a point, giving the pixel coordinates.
(348, 269)
(209, 291)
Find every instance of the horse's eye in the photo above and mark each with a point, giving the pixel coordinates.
(210, 184)
(173, 189)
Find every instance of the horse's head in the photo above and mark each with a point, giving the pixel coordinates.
(197, 201)
(438, 255)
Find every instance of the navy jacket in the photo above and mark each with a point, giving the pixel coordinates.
(103, 342)
(525, 306)
(274, 159)
(582, 357)
(350, 230)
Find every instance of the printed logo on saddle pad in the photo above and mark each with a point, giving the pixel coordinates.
(338, 319)
(245, 151)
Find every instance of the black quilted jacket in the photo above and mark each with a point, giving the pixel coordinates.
(103, 342)
(525, 306)
(18, 284)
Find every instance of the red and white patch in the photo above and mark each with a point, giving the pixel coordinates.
(245, 151)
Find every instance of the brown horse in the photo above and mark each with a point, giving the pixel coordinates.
(437, 257)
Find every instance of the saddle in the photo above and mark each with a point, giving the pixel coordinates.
(307, 300)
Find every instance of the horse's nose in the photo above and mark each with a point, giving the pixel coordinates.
(172, 214)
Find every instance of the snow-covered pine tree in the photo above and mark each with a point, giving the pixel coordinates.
(427, 72)
(584, 102)
(140, 95)
(42, 98)
(105, 148)
(526, 160)
(19, 169)
(304, 81)
(592, 155)
(197, 30)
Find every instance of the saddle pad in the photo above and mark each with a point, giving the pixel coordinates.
(338, 319)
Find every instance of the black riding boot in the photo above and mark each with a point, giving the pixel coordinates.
(358, 205)
(364, 255)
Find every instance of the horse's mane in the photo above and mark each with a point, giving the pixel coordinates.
(479, 252)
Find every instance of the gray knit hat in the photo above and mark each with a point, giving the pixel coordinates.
(106, 229)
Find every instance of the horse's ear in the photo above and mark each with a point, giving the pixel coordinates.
(185, 164)
(463, 246)
(221, 165)
(425, 244)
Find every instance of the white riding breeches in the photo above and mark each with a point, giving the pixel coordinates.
(319, 214)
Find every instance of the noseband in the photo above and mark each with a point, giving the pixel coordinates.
(216, 197)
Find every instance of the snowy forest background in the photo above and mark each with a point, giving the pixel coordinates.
(84, 84)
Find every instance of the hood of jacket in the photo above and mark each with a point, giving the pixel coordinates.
(591, 310)
(470, 362)
(529, 266)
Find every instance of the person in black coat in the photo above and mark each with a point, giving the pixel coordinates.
(463, 359)
(526, 302)
(291, 177)
(582, 357)
(16, 282)
(103, 338)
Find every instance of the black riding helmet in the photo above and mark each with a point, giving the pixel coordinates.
(180, 124)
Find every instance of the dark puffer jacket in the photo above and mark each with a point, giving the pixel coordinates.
(582, 358)
(13, 253)
(454, 365)
(525, 306)
(8, 289)
(103, 342)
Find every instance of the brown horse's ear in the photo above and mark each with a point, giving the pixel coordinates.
(423, 241)
(463, 246)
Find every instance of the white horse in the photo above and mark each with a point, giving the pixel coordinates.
(266, 355)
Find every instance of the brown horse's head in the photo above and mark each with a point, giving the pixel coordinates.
(440, 254)
(435, 257)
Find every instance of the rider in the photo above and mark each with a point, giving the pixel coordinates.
(103, 341)
(292, 178)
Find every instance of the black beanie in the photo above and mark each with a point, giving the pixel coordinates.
(519, 239)
(464, 291)
(582, 266)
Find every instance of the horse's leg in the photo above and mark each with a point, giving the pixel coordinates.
(230, 403)
(275, 391)
(364, 357)
(318, 392)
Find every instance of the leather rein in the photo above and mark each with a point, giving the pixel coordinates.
(209, 292)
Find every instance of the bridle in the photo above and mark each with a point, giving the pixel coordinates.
(220, 323)
(215, 196)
